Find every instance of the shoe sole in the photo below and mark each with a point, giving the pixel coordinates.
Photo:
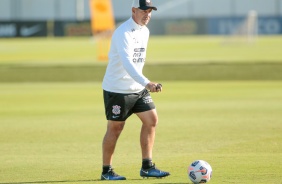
(107, 179)
(111, 180)
(159, 177)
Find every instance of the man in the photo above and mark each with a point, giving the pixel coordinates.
(126, 90)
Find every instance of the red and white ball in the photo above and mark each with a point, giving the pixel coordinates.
(200, 171)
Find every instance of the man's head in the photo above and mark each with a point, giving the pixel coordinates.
(143, 4)
(141, 11)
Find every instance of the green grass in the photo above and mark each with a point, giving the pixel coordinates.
(47, 51)
(169, 49)
(52, 132)
(164, 72)
(210, 49)
(178, 57)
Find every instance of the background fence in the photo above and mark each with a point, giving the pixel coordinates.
(25, 18)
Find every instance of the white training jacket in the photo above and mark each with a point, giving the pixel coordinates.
(126, 59)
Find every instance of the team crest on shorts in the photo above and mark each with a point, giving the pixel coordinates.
(116, 109)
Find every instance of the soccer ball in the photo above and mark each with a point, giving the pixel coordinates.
(199, 172)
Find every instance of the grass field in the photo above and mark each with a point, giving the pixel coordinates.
(173, 49)
(179, 57)
(221, 103)
(52, 132)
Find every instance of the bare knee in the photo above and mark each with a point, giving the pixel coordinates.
(154, 122)
(149, 118)
(115, 127)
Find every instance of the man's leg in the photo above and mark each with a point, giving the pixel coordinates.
(114, 129)
(147, 138)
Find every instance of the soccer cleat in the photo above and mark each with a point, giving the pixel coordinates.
(111, 175)
(153, 172)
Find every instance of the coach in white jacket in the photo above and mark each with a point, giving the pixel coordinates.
(126, 90)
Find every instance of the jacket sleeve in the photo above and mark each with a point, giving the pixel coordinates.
(125, 49)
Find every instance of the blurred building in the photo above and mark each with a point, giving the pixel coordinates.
(172, 17)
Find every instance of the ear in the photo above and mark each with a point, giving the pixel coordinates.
(133, 10)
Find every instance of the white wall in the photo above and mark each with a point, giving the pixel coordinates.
(210, 8)
(173, 9)
(263, 7)
(204, 8)
(66, 9)
(5, 10)
(37, 9)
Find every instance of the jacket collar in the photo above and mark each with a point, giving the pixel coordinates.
(135, 25)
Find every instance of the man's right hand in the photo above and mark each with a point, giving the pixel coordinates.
(154, 87)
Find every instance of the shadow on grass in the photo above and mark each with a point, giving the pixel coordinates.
(62, 181)
(71, 181)
(154, 179)
(172, 183)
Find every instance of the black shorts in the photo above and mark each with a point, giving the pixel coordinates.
(118, 106)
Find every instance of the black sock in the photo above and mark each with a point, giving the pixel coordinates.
(106, 168)
(147, 163)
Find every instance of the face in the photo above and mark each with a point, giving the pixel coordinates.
(141, 17)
